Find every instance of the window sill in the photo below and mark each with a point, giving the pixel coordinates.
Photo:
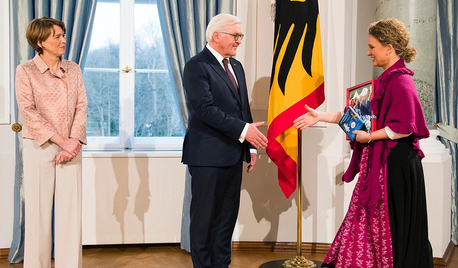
(131, 154)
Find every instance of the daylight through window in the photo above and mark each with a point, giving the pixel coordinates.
(132, 100)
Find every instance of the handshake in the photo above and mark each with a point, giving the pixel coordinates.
(255, 137)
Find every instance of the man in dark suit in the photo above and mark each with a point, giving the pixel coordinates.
(219, 137)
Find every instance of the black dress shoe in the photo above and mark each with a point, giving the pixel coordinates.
(327, 265)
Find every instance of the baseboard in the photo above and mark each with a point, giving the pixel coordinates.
(4, 253)
(316, 248)
(447, 258)
(322, 248)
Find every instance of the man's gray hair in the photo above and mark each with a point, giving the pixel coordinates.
(219, 23)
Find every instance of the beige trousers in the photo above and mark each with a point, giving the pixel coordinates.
(44, 182)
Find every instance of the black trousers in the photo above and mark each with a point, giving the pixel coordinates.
(214, 210)
(407, 208)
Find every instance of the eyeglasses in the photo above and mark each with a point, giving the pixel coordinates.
(236, 36)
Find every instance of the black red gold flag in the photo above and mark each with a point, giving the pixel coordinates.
(297, 79)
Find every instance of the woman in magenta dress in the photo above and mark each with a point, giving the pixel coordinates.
(386, 223)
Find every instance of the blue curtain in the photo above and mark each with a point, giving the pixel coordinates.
(184, 23)
(78, 16)
(446, 89)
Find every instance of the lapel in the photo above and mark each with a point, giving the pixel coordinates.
(240, 76)
(222, 73)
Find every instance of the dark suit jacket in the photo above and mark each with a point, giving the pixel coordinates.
(217, 113)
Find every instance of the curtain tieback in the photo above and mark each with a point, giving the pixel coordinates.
(447, 132)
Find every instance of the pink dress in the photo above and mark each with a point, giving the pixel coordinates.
(386, 223)
(364, 238)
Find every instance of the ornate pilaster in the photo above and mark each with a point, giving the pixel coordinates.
(420, 17)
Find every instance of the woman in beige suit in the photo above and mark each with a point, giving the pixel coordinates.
(52, 102)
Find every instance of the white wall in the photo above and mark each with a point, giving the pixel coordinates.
(132, 198)
(7, 148)
(265, 214)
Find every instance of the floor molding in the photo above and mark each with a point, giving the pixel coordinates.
(447, 258)
(4, 253)
(316, 248)
(322, 248)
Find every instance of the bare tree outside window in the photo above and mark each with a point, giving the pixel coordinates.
(151, 92)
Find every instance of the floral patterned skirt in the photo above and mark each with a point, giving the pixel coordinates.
(364, 238)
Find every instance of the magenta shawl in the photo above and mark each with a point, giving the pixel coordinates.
(396, 105)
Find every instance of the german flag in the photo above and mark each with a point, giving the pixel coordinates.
(297, 79)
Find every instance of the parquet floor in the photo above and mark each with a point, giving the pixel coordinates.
(160, 256)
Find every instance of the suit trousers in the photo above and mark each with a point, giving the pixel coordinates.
(214, 210)
(45, 184)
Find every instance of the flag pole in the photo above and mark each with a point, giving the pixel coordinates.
(299, 193)
(299, 260)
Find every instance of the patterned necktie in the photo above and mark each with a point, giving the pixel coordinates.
(226, 67)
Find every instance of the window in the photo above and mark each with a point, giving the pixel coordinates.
(132, 101)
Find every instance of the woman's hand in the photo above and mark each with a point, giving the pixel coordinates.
(71, 145)
(63, 156)
(362, 136)
(308, 119)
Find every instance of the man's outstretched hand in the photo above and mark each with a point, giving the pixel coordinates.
(255, 137)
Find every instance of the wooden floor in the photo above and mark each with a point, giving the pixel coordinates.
(172, 256)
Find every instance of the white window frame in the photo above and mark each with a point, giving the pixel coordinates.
(126, 139)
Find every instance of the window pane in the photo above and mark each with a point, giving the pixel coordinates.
(101, 76)
(156, 109)
(146, 95)
(104, 45)
(149, 43)
(102, 89)
(156, 106)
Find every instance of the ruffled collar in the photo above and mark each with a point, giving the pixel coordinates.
(398, 67)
